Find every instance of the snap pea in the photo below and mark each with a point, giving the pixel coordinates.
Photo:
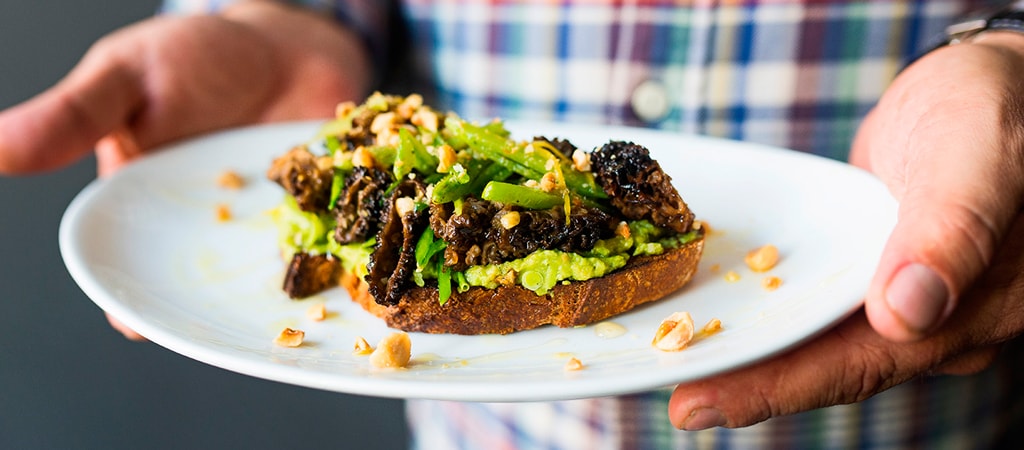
(470, 180)
(524, 196)
(530, 164)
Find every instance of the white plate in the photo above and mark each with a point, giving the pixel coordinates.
(146, 247)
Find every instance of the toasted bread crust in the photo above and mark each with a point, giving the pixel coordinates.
(507, 309)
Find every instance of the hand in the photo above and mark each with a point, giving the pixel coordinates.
(172, 77)
(948, 140)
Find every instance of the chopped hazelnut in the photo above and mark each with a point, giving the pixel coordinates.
(317, 312)
(290, 338)
(426, 119)
(361, 347)
(762, 259)
(230, 180)
(713, 326)
(507, 278)
(674, 333)
(581, 160)
(362, 157)
(731, 276)
(771, 283)
(223, 213)
(622, 230)
(573, 365)
(343, 109)
(393, 352)
(383, 122)
(509, 220)
(548, 182)
(446, 158)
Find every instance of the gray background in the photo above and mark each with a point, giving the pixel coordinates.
(67, 380)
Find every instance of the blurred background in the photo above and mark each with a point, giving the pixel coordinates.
(69, 381)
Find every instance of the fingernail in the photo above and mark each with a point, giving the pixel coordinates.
(918, 296)
(703, 418)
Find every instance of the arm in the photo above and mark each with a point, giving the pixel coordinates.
(948, 139)
(172, 77)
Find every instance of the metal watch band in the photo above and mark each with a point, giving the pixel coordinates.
(1009, 18)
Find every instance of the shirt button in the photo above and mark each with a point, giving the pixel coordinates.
(650, 101)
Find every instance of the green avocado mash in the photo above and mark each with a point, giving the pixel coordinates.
(298, 230)
(539, 271)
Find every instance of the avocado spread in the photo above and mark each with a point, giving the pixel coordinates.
(539, 271)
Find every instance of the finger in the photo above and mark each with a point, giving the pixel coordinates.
(115, 150)
(123, 329)
(957, 201)
(63, 124)
(843, 366)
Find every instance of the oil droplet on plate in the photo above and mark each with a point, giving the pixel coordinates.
(609, 330)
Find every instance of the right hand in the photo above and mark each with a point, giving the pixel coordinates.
(168, 78)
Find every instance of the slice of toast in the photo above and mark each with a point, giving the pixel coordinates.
(507, 309)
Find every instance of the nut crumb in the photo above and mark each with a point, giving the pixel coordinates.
(223, 213)
(290, 338)
(581, 160)
(393, 352)
(317, 312)
(771, 283)
(509, 220)
(548, 182)
(622, 230)
(713, 326)
(230, 180)
(361, 347)
(674, 333)
(762, 259)
(731, 276)
(715, 268)
(573, 365)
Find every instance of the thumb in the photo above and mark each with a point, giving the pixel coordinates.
(62, 124)
(957, 201)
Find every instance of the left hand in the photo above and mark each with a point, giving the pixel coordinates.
(947, 138)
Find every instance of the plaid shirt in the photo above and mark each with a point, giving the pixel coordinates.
(798, 74)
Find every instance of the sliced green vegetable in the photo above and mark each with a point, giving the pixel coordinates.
(332, 144)
(427, 247)
(337, 183)
(444, 283)
(532, 163)
(524, 196)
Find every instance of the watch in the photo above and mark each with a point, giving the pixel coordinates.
(1010, 18)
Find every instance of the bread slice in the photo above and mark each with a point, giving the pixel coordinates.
(507, 309)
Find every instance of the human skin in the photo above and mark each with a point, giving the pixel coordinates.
(946, 138)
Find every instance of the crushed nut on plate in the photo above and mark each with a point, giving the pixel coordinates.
(223, 213)
(230, 180)
(361, 347)
(290, 338)
(762, 259)
(713, 326)
(771, 283)
(393, 352)
(317, 312)
(674, 333)
(573, 365)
